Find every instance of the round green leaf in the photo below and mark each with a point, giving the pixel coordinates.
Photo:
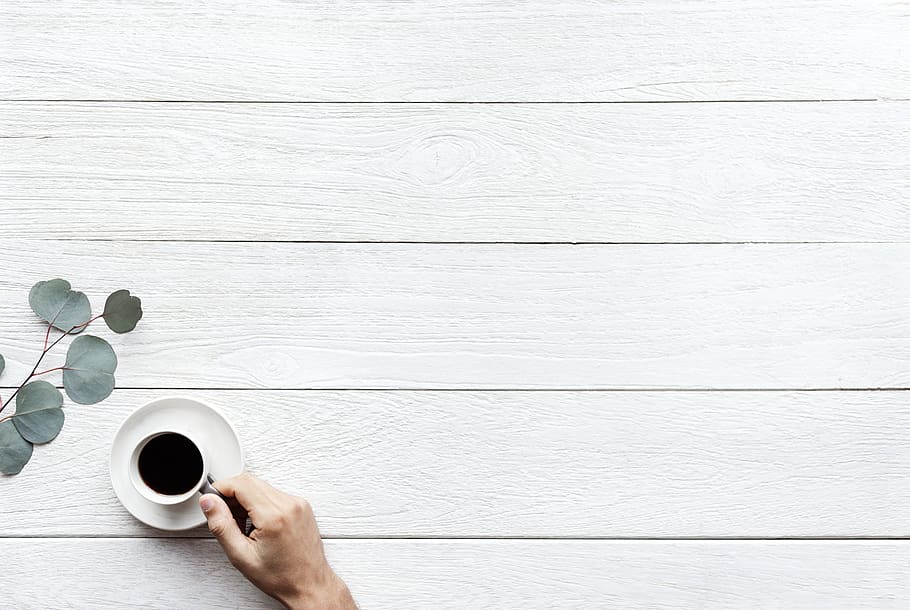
(2, 363)
(122, 312)
(39, 417)
(55, 303)
(88, 375)
(15, 451)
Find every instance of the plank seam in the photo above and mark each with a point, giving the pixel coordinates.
(464, 243)
(456, 102)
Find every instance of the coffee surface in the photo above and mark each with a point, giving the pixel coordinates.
(170, 464)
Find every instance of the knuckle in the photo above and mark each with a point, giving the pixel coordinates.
(301, 508)
(218, 528)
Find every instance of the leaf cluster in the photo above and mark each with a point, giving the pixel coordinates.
(88, 371)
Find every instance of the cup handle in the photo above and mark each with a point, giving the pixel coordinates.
(238, 511)
(206, 488)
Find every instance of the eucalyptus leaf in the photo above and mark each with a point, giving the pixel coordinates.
(2, 364)
(88, 375)
(122, 312)
(57, 304)
(15, 451)
(39, 417)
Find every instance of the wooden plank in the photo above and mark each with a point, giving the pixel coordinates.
(566, 173)
(577, 50)
(461, 574)
(237, 315)
(469, 464)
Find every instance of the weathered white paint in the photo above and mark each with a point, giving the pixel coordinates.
(277, 315)
(465, 464)
(458, 574)
(595, 173)
(538, 50)
(478, 317)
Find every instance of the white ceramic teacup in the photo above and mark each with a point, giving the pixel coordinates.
(155, 496)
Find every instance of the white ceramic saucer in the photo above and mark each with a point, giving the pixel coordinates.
(212, 431)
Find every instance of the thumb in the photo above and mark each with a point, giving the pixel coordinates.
(225, 529)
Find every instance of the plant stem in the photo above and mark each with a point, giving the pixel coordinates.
(41, 357)
(15, 415)
(59, 368)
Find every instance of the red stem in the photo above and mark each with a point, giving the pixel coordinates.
(41, 357)
(59, 368)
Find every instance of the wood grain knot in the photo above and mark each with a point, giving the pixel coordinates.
(436, 159)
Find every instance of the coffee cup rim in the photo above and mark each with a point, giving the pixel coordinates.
(149, 493)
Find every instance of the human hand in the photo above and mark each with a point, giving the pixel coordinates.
(283, 555)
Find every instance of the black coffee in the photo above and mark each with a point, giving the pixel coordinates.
(170, 464)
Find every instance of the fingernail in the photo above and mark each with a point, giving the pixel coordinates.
(207, 503)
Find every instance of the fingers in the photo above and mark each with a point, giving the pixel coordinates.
(223, 526)
(261, 501)
(246, 488)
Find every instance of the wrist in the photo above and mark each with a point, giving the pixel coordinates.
(330, 594)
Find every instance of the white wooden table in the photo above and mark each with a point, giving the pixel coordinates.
(542, 304)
